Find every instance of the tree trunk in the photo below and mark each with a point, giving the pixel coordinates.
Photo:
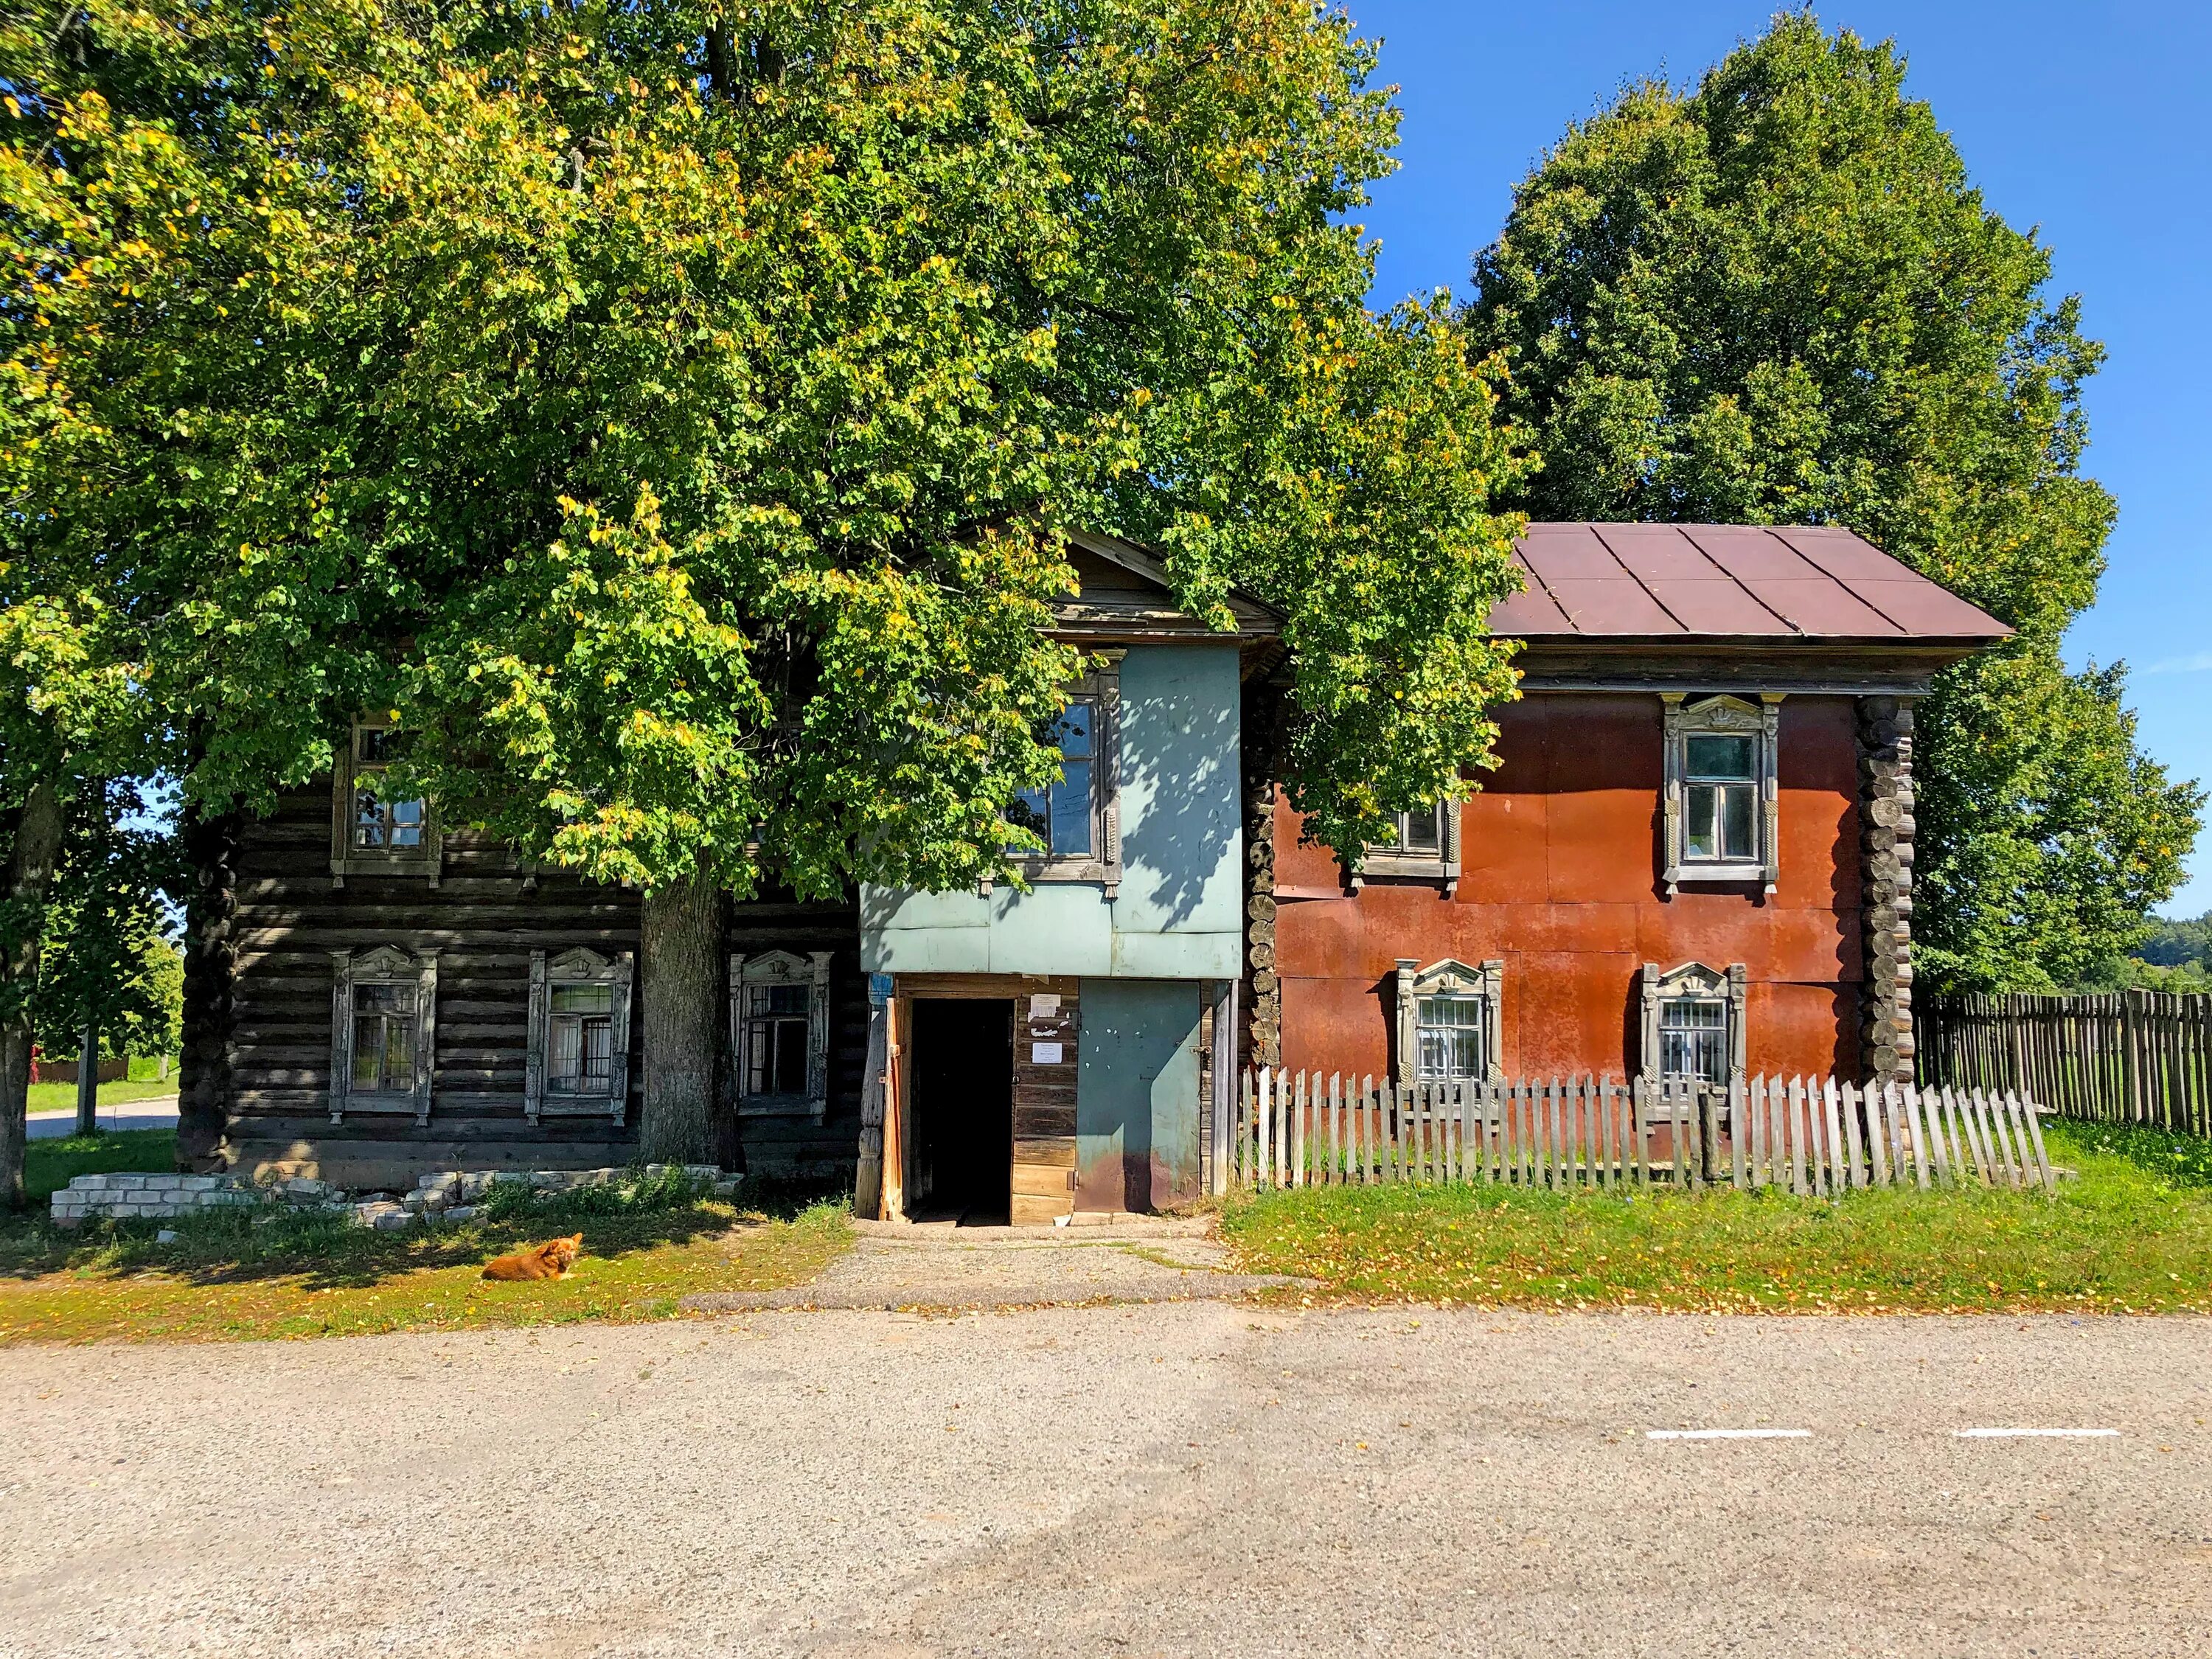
(680, 943)
(204, 1057)
(87, 1083)
(30, 873)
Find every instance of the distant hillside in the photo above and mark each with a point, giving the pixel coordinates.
(2176, 956)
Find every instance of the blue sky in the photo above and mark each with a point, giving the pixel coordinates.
(2088, 120)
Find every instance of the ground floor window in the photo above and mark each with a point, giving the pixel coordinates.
(383, 1039)
(583, 1058)
(1693, 1039)
(579, 1060)
(1693, 1023)
(384, 1010)
(1448, 1021)
(1449, 1032)
(779, 1031)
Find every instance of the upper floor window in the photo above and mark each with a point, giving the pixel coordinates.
(1722, 803)
(1450, 1021)
(1425, 847)
(372, 833)
(1078, 816)
(1064, 815)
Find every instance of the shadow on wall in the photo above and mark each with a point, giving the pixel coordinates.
(1179, 762)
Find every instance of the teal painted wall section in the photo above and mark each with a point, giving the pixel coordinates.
(1177, 913)
(1136, 1096)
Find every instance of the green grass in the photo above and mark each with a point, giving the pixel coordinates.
(62, 1096)
(243, 1274)
(50, 1165)
(2132, 1233)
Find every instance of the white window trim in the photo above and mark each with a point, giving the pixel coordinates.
(1729, 985)
(1102, 686)
(1724, 716)
(384, 965)
(1486, 982)
(346, 858)
(783, 968)
(1392, 861)
(579, 966)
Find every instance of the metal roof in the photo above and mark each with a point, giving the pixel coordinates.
(1659, 581)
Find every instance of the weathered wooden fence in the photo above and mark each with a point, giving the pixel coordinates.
(1805, 1135)
(2131, 1057)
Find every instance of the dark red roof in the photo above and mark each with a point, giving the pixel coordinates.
(1657, 580)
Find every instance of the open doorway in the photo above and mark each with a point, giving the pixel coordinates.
(962, 1068)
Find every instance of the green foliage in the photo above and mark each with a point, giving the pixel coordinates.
(1778, 299)
(110, 957)
(666, 409)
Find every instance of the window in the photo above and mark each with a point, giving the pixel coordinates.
(779, 1032)
(1450, 1021)
(370, 833)
(1425, 849)
(383, 1039)
(1722, 804)
(1694, 1023)
(1449, 1030)
(1078, 818)
(1693, 1039)
(1063, 817)
(384, 1008)
(579, 1060)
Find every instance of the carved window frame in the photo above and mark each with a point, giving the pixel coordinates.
(382, 964)
(579, 966)
(346, 858)
(1730, 985)
(1484, 982)
(1395, 861)
(772, 968)
(1101, 688)
(1723, 716)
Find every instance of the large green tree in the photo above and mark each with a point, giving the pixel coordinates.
(1778, 299)
(669, 409)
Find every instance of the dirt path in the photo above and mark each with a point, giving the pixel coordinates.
(1195, 1478)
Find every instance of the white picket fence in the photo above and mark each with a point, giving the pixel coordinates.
(1805, 1135)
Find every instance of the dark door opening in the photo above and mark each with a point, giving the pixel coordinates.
(963, 1119)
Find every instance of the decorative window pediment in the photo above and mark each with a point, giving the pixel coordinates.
(1426, 848)
(370, 835)
(384, 1030)
(780, 1033)
(1693, 1023)
(579, 1055)
(1721, 802)
(1450, 1021)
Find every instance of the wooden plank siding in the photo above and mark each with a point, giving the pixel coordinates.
(484, 917)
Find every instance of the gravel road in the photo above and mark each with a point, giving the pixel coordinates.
(1187, 1477)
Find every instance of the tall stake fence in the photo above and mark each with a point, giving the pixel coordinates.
(2130, 1057)
(1805, 1135)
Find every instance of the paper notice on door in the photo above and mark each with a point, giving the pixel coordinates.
(1044, 1007)
(1045, 1054)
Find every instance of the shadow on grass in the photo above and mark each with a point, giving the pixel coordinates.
(327, 1250)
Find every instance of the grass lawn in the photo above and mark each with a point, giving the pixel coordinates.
(2132, 1234)
(62, 1096)
(227, 1277)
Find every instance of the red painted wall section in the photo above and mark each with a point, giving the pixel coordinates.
(1560, 855)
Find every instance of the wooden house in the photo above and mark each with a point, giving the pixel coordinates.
(1695, 858)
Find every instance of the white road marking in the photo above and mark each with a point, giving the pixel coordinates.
(1729, 1434)
(2035, 1434)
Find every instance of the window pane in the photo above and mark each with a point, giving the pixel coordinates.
(1694, 1038)
(1737, 816)
(597, 1044)
(790, 1057)
(373, 744)
(1032, 810)
(1071, 809)
(777, 1000)
(387, 998)
(566, 1057)
(1074, 735)
(1449, 1032)
(1421, 832)
(1701, 831)
(583, 999)
(1719, 758)
(368, 818)
(407, 823)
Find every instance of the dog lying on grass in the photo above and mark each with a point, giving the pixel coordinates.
(550, 1260)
